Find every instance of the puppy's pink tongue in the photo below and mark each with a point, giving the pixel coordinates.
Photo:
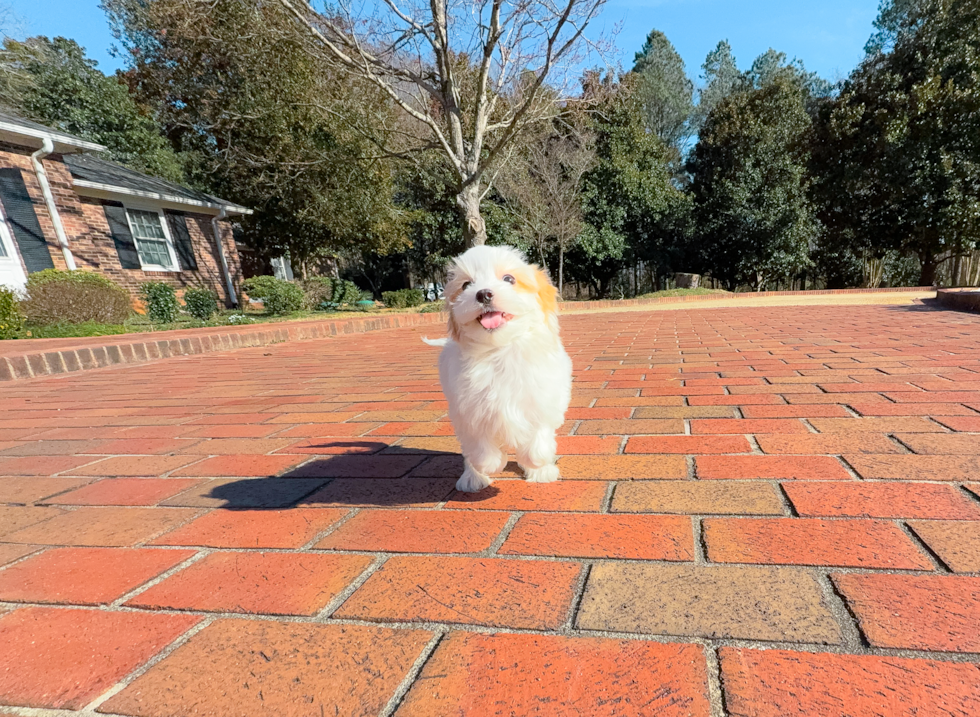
(492, 320)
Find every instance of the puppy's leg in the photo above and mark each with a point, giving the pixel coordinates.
(538, 457)
(481, 458)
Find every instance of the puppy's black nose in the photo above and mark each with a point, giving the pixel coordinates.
(484, 296)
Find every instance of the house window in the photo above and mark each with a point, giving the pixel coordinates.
(152, 242)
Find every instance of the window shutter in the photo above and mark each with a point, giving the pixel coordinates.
(115, 214)
(20, 213)
(182, 240)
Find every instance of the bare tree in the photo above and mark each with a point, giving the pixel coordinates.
(471, 73)
(542, 186)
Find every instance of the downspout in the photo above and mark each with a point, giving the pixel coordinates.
(216, 231)
(47, 147)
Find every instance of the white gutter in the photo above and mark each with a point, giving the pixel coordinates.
(155, 196)
(216, 230)
(47, 134)
(47, 147)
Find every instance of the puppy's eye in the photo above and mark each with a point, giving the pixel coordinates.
(466, 285)
(508, 278)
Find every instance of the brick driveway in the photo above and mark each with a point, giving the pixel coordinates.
(764, 512)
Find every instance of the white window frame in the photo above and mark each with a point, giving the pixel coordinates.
(171, 247)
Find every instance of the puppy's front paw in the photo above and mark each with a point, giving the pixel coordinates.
(472, 482)
(545, 474)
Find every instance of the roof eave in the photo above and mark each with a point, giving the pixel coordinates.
(100, 190)
(61, 141)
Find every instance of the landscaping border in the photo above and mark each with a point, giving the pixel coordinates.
(35, 358)
(959, 299)
(48, 357)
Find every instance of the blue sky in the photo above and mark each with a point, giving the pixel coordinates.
(828, 36)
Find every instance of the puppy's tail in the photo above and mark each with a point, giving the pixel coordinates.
(435, 342)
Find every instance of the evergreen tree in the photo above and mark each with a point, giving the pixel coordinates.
(755, 222)
(630, 198)
(897, 154)
(665, 91)
(721, 78)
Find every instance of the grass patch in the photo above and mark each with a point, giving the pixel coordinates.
(63, 331)
(682, 292)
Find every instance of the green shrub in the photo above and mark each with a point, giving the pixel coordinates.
(162, 306)
(323, 293)
(11, 320)
(278, 296)
(74, 297)
(345, 292)
(317, 290)
(201, 303)
(403, 298)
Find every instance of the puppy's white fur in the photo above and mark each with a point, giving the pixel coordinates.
(504, 370)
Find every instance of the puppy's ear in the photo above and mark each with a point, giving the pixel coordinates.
(454, 284)
(547, 293)
(453, 326)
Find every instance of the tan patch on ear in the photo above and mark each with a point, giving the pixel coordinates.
(547, 293)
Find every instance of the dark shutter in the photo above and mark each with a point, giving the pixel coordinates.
(115, 214)
(19, 209)
(182, 240)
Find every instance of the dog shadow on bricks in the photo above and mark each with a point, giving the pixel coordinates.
(369, 474)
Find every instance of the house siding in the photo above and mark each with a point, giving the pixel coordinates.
(91, 242)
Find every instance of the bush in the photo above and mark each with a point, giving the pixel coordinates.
(11, 320)
(346, 292)
(323, 292)
(317, 290)
(278, 296)
(403, 298)
(201, 303)
(74, 297)
(162, 306)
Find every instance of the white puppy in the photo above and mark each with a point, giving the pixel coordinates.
(504, 370)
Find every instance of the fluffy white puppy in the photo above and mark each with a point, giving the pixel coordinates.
(504, 370)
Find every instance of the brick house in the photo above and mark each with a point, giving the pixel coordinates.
(63, 207)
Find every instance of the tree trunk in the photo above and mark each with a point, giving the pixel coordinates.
(927, 277)
(474, 228)
(561, 270)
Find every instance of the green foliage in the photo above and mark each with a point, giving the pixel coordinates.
(54, 296)
(162, 306)
(664, 89)
(346, 293)
(317, 290)
(278, 295)
(202, 304)
(630, 201)
(402, 299)
(63, 330)
(11, 319)
(66, 90)
(893, 16)
(896, 157)
(265, 122)
(721, 78)
(755, 222)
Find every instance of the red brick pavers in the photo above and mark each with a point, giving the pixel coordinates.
(766, 511)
